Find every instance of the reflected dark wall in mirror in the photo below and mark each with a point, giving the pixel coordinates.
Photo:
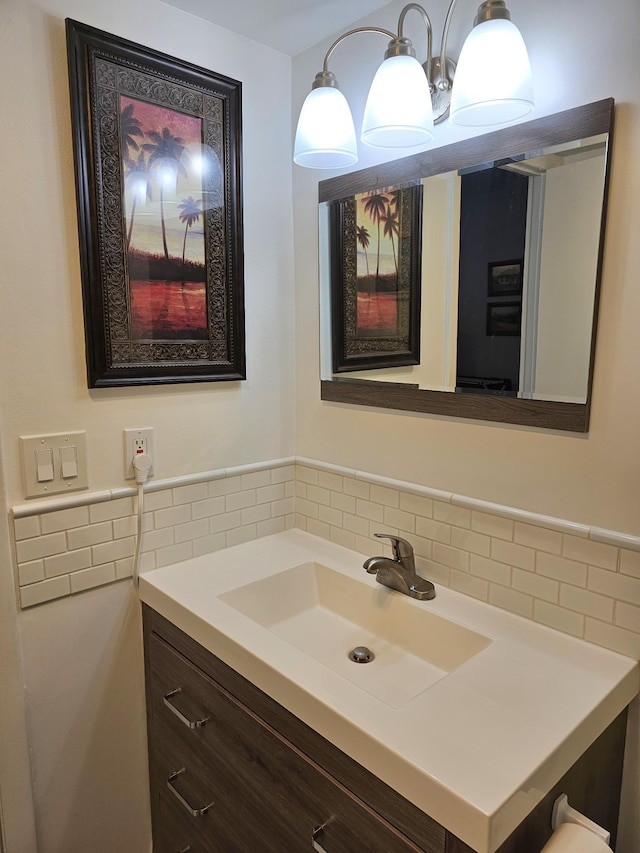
(512, 234)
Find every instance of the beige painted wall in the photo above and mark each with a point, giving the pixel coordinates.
(82, 663)
(591, 479)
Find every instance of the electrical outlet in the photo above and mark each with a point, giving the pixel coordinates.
(137, 441)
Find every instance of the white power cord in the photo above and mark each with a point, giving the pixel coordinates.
(141, 464)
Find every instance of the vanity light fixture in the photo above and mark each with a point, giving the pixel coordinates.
(490, 86)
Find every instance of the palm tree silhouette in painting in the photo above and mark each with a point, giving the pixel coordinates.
(137, 176)
(375, 206)
(189, 214)
(364, 238)
(130, 127)
(165, 149)
(392, 230)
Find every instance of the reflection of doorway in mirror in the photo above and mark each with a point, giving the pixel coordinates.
(493, 221)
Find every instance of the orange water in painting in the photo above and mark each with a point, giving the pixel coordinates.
(168, 310)
(377, 314)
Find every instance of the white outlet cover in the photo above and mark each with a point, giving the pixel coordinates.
(130, 437)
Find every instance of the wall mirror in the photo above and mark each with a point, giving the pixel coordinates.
(464, 281)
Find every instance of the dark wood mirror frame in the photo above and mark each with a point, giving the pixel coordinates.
(579, 122)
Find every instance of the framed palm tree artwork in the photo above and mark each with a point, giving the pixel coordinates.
(375, 278)
(157, 145)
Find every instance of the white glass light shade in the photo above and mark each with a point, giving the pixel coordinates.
(326, 135)
(398, 112)
(492, 84)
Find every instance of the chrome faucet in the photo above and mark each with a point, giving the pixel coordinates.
(400, 572)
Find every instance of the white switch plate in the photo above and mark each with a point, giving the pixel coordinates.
(54, 442)
(136, 440)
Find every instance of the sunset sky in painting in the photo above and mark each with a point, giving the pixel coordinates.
(146, 229)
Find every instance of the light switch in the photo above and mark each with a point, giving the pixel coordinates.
(54, 463)
(68, 462)
(44, 465)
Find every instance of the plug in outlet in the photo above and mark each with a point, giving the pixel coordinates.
(137, 441)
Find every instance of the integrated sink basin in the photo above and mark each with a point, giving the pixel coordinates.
(327, 614)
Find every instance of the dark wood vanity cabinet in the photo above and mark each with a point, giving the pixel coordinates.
(231, 771)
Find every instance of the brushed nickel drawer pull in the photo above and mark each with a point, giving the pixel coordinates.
(190, 724)
(194, 812)
(318, 832)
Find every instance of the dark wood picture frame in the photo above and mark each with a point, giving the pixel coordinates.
(505, 278)
(151, 315)
(376, 313)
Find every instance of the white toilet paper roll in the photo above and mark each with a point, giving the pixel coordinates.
(571, 838)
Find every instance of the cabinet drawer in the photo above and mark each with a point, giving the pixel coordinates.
(255, 775)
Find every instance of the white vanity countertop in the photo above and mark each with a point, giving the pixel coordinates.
(477, 750)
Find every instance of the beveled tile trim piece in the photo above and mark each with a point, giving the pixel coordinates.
(561, 525)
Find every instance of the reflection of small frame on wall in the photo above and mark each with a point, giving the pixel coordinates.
(503, 318)
(505, 278)
(375, 278)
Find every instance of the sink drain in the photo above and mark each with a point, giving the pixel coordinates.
(361, 654)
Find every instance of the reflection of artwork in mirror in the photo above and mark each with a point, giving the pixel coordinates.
(375, 278)
(517, 215)
(505, 278)
(503, 318)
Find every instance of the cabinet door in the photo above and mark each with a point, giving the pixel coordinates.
(268, 796)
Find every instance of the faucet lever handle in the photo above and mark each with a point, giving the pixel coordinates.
(400, 547)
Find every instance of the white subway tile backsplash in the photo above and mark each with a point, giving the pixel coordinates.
(84, 537)
(190, 494)
(266, 494)
(561, 569)
(48, 590)
(173, 554)
(65, 519)
(630, 563)
(454, 558)
(613, 637)
(435, 530)
(454, 515)
(475, 543)
(535, 585)
(108, 510)
(513, 554)
(255, 480)
(512, 600)
(357, 488)
(399, 519)
(594, 553)
(42, 546)
(89, 578)
(191, 530)
(490, 570)
(627, 616)
(171, 516)
(417, 504)
(26, 528)
(584, 601)
(618, 586)
(559, 618)
(492, 525)
(70, 561)
(30, 572)
(576, 579)
(538, 538)
(327, 480)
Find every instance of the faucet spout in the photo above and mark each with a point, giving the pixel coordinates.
(399, 573)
